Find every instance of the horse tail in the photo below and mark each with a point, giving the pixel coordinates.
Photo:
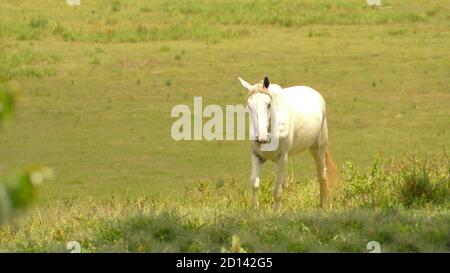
(332, 172)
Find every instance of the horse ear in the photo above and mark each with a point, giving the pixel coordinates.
(245, 84)
(266, 82)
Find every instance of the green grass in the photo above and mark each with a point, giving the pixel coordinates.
(134, 21)
(210, 216)
(98, 82)
(146, 228)
(25, 63)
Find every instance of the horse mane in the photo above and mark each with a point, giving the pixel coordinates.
(259, 89)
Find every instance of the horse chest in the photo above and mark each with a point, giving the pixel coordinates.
(267, 155)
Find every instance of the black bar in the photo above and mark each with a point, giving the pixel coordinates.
(225, 262)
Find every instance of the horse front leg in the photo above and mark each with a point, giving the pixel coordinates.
(254, 179)
(280, 180)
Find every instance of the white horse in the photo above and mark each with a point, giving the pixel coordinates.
(297, 119)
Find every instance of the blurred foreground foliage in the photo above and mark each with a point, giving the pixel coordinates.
(17, 191)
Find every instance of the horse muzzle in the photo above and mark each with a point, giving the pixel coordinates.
(263, 140)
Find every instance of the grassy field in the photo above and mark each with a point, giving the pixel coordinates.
(98, 82)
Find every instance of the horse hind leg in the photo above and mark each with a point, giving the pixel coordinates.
(319, 158)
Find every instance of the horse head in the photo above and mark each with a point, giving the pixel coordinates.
(259, 102)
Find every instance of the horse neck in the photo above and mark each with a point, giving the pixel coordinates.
(277, 98)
